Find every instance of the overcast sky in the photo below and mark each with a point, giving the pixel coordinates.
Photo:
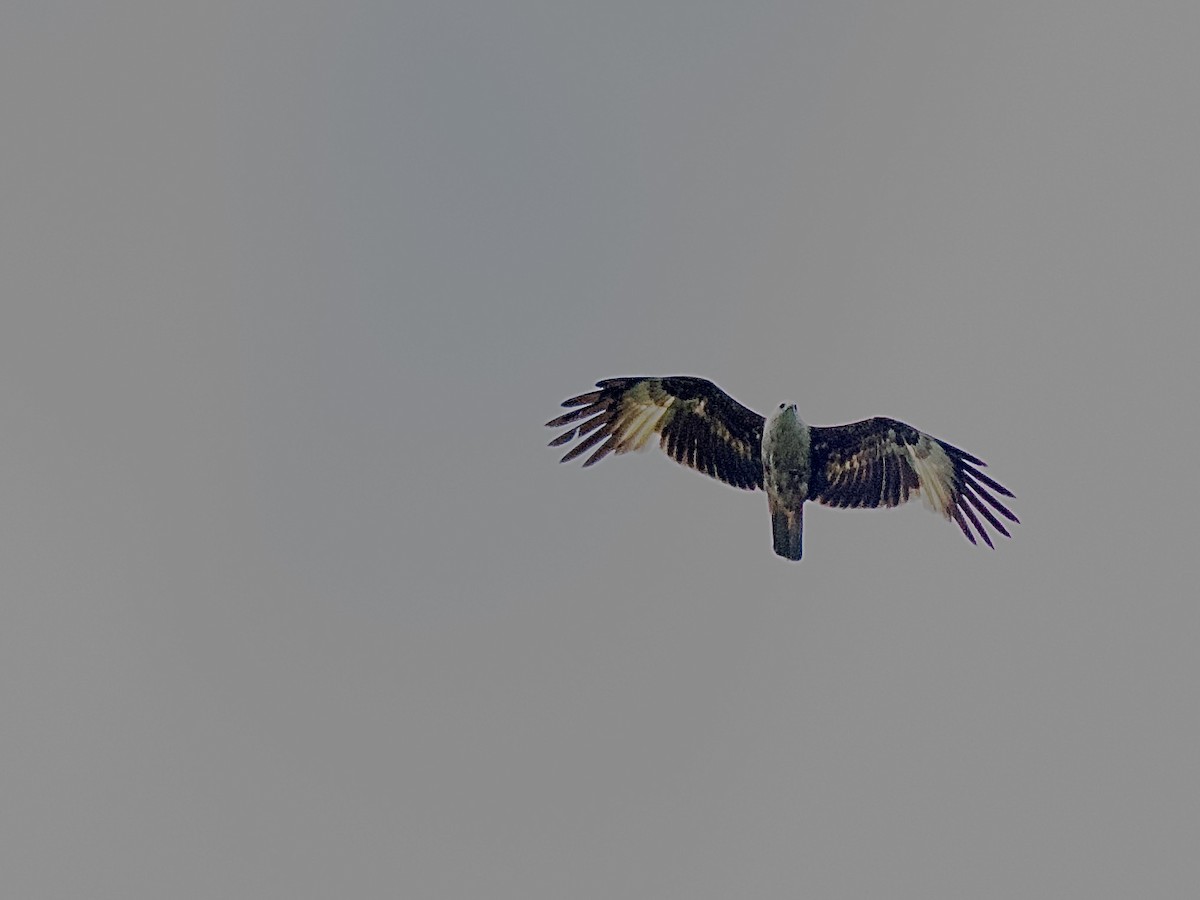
(296, 602)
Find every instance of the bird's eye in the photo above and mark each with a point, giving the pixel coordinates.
(782, 405)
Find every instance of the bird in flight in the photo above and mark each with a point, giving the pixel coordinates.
(872, 463)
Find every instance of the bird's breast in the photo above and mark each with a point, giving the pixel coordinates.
(787, 458)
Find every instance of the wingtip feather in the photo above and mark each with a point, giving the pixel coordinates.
(969, 494)
(602, 451)
(990, 482)
(975, 521)
(962, 524)
(583, 399)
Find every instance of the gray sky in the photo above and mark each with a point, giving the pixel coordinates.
(296, 603)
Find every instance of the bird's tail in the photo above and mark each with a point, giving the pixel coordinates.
(787, 528)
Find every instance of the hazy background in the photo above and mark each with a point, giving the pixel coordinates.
(295, 601)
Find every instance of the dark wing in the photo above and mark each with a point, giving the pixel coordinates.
(882, 462)
(698, 425)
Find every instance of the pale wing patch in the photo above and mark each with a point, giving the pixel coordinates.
(643, 418)
(935, 474)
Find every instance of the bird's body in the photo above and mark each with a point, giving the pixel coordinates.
(875, 462)
(787, 464)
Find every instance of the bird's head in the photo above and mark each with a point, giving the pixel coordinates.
(785, 414)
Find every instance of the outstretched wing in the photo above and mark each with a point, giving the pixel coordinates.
(882, 462)
(698, 425)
